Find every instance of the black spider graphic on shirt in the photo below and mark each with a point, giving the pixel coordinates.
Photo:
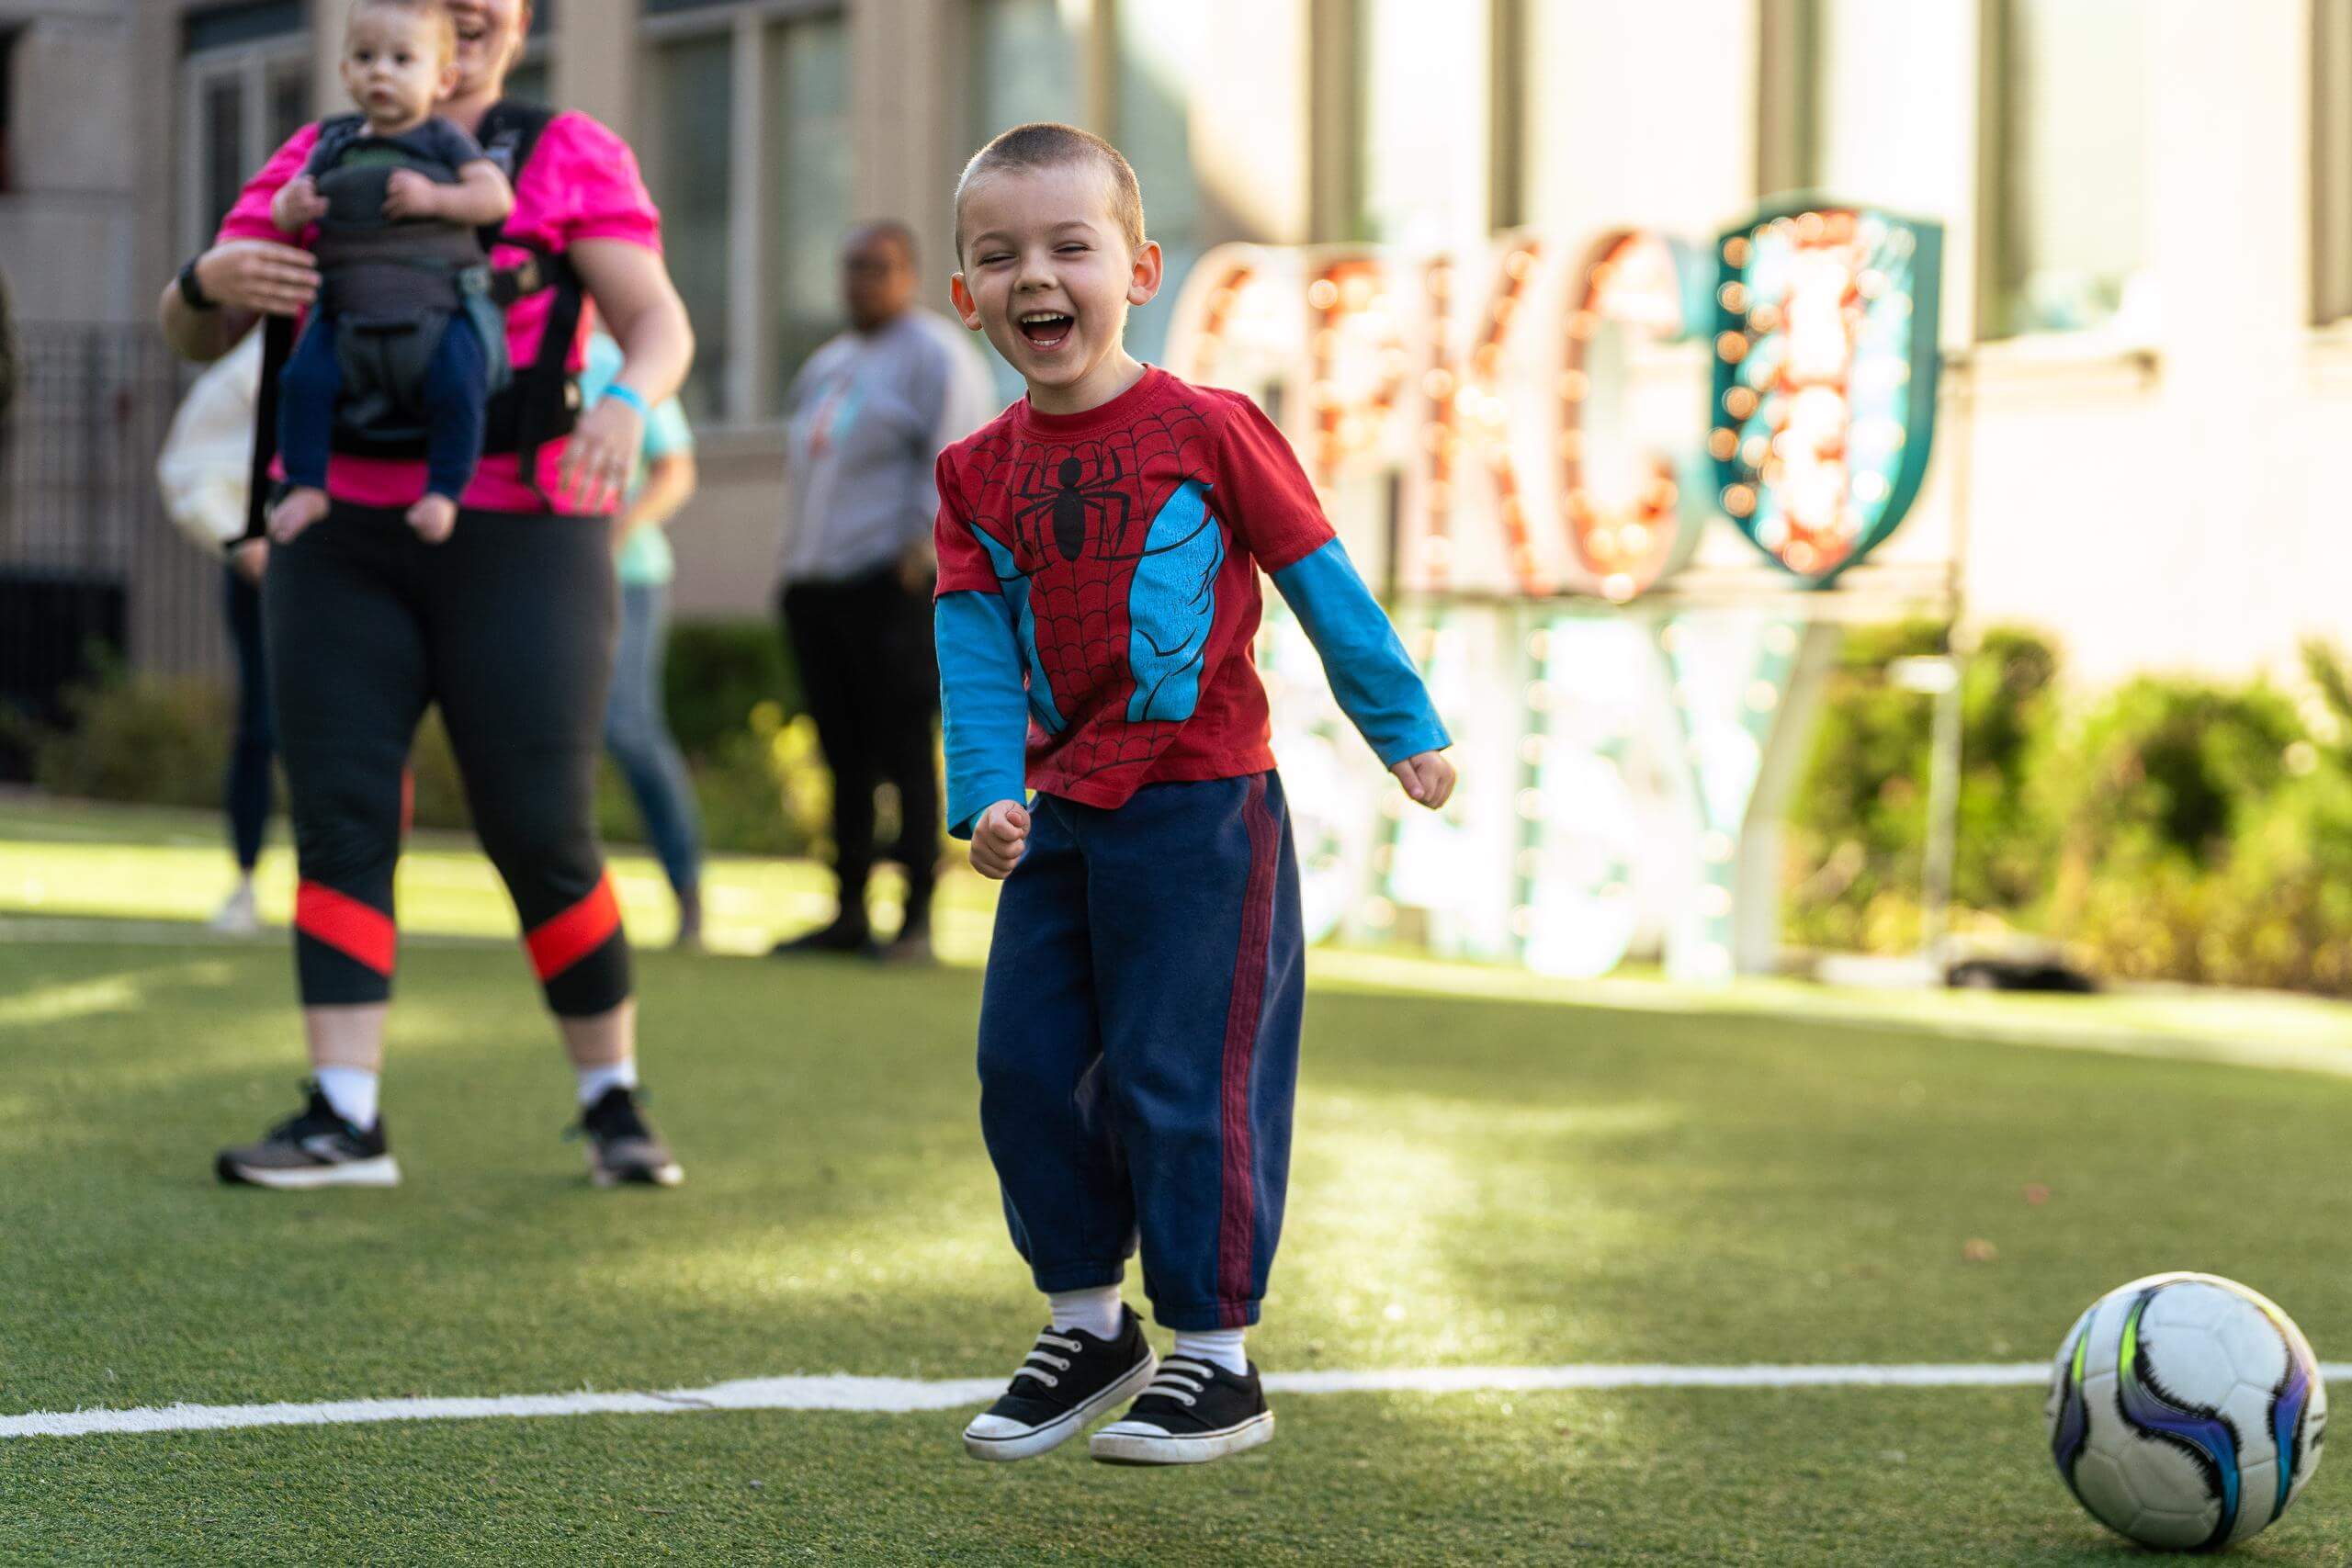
(1058, 510)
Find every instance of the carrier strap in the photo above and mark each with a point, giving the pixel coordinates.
(545, 397)
(277, 348)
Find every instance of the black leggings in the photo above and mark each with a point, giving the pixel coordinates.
(509, 627)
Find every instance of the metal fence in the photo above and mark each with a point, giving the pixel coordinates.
(93, 575)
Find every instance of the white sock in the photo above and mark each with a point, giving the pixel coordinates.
(352, 1092)
(1095, 1310)
(595, 1081)
(1219, 1346)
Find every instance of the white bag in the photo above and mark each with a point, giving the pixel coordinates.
(206, 464)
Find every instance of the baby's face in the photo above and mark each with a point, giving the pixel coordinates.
(395, 66)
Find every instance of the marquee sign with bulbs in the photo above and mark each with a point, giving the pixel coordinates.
(1528, 401)
(1824, 381)
(1533, 444)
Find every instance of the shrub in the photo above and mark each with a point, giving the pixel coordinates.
(719, 671)
(2208, 832)
(1857, 826)
(158, 740)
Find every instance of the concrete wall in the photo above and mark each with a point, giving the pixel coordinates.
(69, 223)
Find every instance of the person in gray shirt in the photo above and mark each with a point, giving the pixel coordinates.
(865, 418)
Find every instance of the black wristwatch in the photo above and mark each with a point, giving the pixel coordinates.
(193, 291)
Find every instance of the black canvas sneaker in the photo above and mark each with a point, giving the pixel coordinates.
(1194, 1412)
(313, 1148)
(1067, 1380)
(623, 1147)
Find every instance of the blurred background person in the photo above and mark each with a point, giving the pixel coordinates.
(637, 726)
(865, 419)
(204, 471)
(7, 349)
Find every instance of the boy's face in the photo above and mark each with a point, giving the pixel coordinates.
(1048, 274)
(395, 66)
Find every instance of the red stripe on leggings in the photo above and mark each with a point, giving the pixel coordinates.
(359, 931)
(1236, 1226)
(559, 944)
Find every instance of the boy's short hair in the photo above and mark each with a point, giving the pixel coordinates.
(434, 14)
(1046, 144)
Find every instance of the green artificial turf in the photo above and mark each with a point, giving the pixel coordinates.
(1479, 1179)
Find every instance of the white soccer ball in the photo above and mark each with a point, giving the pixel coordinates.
(2186, 1411)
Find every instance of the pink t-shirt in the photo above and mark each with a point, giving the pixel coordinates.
(581, 183)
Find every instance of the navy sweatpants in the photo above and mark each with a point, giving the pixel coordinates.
(1140, 1044)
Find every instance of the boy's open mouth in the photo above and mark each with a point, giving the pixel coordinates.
(1045, 328)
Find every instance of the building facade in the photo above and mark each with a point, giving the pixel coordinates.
(2147, 307)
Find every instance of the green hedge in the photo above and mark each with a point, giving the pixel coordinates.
(2169, 828)
(159, 740)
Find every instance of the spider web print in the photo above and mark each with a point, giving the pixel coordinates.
(1028, 493)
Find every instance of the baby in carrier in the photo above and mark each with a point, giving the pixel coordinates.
(404, 348)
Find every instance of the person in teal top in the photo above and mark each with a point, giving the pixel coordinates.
(637, 731)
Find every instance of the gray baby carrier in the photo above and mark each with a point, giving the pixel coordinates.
(393, 288)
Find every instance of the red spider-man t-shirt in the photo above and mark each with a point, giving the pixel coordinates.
(1127, 540)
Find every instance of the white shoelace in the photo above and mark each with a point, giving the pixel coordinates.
(1178, 1381)
(1059, 1363)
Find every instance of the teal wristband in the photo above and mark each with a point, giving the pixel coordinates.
(631, 396)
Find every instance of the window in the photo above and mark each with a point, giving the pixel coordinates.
(2331, 102)
(2069, 88)
(808, 161)
(531, 79)
(532, 82)
(1161, 49)
(1424, 127)
(1842, 76)
(244, 88)
(744, 141)
(687, 153)
(1025, 66)
(8, 36)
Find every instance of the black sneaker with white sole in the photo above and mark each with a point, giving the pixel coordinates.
(314, 1147)
(1068, 1380)
(1194, 1412)
(623, 1147)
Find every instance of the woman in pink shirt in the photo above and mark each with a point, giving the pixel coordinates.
(508, 625)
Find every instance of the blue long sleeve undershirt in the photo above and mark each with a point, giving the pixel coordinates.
(984, 703)
(983, 707)
(1370, 673)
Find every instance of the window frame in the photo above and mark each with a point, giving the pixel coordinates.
(1342, 94)
(1996, 128)
(2329, 131)
(250, 65)
(749, 197)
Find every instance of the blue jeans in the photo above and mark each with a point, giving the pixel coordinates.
(456, 389)
(1140, 1044)
(638, 735)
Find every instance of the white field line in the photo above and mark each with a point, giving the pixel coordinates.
(900, 1396)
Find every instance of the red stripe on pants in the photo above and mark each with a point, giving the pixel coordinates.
(557, 944)
(359, 931)
(1237, 1225)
